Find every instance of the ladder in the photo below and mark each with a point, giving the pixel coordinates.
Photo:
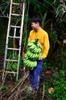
(9, 36)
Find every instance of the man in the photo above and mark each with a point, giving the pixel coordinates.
(38, 33)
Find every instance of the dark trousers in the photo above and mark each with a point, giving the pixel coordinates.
(34, 75)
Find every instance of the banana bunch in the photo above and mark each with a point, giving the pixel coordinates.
(30, 64)
(36, 50)
(32, 54)
(34, 46)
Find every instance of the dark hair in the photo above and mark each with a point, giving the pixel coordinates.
(36, 19)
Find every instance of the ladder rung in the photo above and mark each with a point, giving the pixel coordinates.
(10, 72)
(17, 4)
(16, 37)
(15, 26)
(11, 60)
(14, 14)
(12, 49)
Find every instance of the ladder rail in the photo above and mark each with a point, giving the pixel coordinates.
(14, 31)
(8, 29)
(21, 33)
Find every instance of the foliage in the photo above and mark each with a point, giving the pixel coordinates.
(58, 84)
(2, 35)
(53, 38)
(60, 90)
(3, 88)
(12, 66)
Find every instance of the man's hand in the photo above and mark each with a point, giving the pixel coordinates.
(40, 57)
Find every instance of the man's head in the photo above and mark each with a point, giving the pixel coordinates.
(35, 23)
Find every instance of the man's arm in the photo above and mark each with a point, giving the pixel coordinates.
(46, 47)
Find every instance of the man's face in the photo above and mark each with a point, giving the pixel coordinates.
(34, 25)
